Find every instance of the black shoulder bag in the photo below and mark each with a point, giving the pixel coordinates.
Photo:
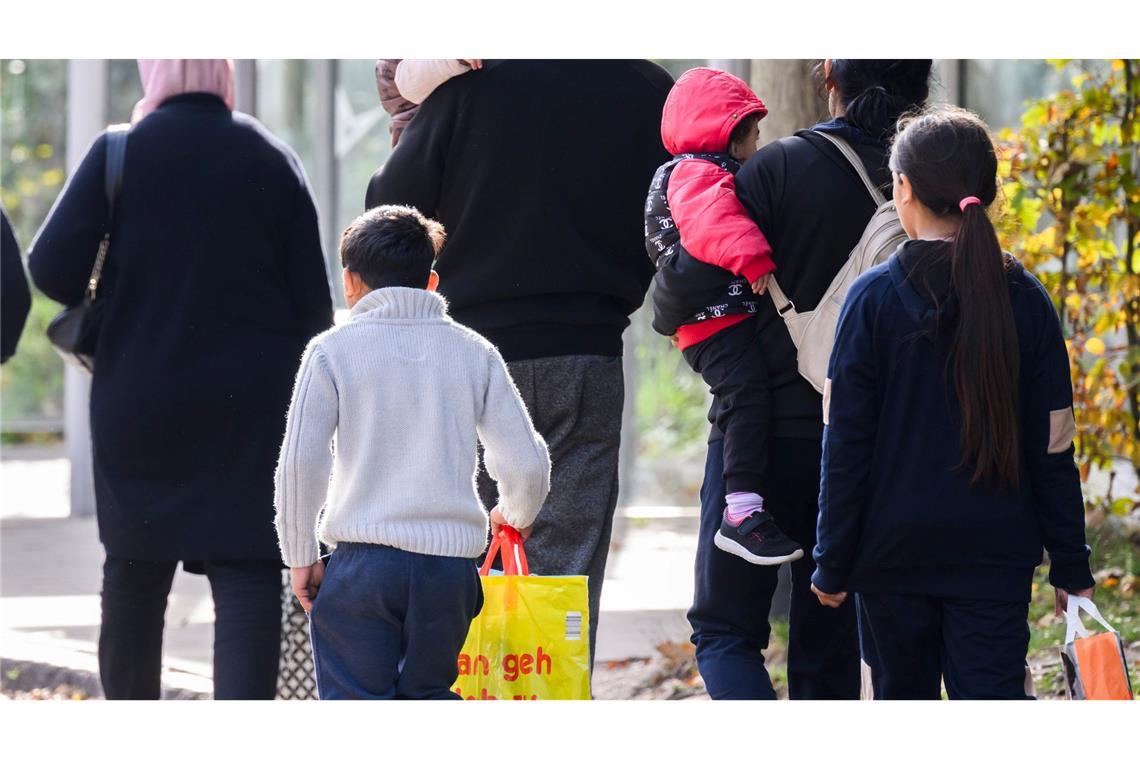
(74, 331)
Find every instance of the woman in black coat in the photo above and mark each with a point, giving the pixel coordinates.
(812, 207)
(215, 281)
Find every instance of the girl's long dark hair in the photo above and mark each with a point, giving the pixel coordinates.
(947, 155)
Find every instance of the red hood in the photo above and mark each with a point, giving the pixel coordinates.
(702, 108)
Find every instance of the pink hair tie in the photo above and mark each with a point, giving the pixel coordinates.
(969, 200)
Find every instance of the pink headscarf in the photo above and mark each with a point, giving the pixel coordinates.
(164, 78)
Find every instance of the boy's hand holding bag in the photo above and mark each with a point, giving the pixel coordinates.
(531, 640)
(1094, 663)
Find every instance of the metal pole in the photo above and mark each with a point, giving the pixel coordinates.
(324, 156)
(948, 73)
(86, 117)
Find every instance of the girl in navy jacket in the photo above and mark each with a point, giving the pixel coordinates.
(948, 452)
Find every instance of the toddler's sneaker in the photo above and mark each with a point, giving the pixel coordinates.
(757, 540)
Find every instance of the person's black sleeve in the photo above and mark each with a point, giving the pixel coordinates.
(307, 273)
(413, 173)
(851, 419)
(1048, 430)
(759, 184)
(15, 296)
(63, 253)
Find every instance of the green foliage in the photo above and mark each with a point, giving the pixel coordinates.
(1071, 179)
(32, 381)
(33, 96)
(671, 402)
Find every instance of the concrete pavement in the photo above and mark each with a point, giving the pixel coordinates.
(50, 570)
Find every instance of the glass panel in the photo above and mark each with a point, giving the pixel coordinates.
(997, 89)
(33, 131)
(362, 140)
(670, 401)
(124, 89)
(286, 104)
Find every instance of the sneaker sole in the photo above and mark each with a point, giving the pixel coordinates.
(730, 546)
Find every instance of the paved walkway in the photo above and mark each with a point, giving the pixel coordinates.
(50, 570)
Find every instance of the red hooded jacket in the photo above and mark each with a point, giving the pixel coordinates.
(702, 109)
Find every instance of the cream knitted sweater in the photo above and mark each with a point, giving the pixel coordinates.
(404, 391)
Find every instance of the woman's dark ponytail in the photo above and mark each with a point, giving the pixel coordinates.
(948, 157)
(984, 359)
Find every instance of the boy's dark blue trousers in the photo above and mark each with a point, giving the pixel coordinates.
(914, 643)
(732, 598)
(389, 624)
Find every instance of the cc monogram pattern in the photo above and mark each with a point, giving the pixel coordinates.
(687, 289)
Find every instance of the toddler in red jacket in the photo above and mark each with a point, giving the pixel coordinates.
(713, 265)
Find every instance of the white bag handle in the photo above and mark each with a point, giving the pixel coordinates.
(1073, 624)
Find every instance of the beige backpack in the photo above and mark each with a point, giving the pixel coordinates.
(813, 332)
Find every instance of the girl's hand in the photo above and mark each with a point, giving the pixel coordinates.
(829, 600)
(474, 63)
(1061, 597)
(761, 285)
(306, 581)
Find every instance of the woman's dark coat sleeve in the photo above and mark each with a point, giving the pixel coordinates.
(307, 273)
(16, 298)
(63, 252)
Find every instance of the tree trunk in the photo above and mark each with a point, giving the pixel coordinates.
(791, 92)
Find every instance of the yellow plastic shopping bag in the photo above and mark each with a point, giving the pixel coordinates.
(531, 641)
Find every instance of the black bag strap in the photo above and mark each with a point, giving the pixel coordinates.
(115, 146)
(116, 154)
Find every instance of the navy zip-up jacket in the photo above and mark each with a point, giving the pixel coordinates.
(896, 513)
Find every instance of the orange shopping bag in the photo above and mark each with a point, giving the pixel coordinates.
(1094, 664)
(531, 640)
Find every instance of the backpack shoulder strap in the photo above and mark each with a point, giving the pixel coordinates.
(116, 147)
(784, 306)
(856, 162)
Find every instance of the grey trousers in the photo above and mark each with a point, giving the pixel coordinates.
(576, 405)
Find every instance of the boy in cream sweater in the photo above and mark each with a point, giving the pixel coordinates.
(404, 392)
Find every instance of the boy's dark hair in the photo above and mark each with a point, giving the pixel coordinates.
(740, 131)
(391, 246)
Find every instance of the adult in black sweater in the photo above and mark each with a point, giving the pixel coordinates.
(812, 207)
(16, 298)
(215, 281)
(538, 171)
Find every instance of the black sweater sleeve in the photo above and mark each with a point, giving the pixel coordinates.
(1047, 437)
(63, 252)
(413, 173)
(851, 418)
(15, 296)
(759, 184)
